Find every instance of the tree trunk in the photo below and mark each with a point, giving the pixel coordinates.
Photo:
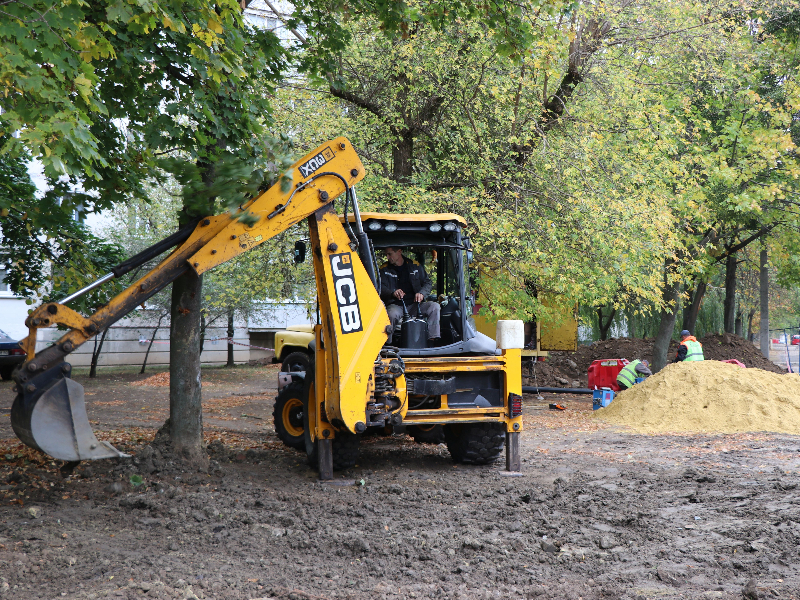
(152, 339)
(605, 325)
(691, 310)
(96, 354)
(667, 322)
(203, 326)
(750, 334)
(763, 293)
(739, 323)
(403, 157)
(230, 338)
(186, 416)
(631, 319)
(729, 306)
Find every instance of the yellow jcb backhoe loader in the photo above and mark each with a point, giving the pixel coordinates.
(358, 379)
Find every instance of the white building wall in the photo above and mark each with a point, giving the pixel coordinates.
(127, 341)
(13, 312)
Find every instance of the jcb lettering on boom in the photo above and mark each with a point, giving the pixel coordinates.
(346, 298)
(314, 163)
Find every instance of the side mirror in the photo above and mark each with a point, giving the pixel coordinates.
(299, 252)
(469, 256)
(467, 243)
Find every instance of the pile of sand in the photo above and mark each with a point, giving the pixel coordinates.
(709, 396)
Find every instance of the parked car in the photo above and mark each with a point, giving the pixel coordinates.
(796, 340)
(10, 355)
(294, 347)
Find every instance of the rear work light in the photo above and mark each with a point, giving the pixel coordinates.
(514, 405)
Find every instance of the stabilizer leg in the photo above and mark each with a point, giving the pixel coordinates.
(325, 455)
(512, 452)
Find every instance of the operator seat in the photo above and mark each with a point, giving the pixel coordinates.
(450, 319)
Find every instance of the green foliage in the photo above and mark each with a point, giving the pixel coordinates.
(624, 136)
(48, 256)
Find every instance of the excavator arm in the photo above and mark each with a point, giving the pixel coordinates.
(49, 412)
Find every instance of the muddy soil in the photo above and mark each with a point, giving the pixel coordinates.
(598, 512)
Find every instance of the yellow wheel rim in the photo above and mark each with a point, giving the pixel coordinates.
(289, 416)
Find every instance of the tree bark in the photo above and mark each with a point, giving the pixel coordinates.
(230, 362)
(96, 354)
(605, 325)
(403, 157)
(763, 294)
(667, 322)
(691, 310)
(739, 323)
(729, 306)
(750, 316)
(185, 409)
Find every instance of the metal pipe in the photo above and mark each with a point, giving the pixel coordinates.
(530, 389)
(91, 286)
(356, 211)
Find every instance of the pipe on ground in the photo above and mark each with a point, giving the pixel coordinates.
(530, 389)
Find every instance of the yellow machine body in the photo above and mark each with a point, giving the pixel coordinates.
(358, 381)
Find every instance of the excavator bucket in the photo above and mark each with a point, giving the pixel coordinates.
(49, 414)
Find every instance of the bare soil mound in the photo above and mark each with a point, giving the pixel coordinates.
(709, 396)
(573, 366)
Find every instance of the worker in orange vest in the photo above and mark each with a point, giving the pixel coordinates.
(689, 348)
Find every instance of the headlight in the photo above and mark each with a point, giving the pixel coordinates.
(450, 226)
(391, 227)
(434, 227)
(374, 225)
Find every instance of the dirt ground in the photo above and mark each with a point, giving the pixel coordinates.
(597, 513)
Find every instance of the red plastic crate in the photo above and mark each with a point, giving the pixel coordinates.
(603, 373)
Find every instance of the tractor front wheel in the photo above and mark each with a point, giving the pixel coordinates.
(426, 434)
(288, 416)
(344, 445)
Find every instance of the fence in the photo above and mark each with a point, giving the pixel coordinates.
(127, 345)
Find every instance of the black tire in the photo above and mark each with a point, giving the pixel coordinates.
(296, 361)
(5, 373)
(475, 443)
(426, 434)
(288, 416)
(345, 444)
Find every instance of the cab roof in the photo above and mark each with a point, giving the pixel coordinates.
(413, 218)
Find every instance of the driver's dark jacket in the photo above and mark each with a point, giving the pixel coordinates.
(420, 282)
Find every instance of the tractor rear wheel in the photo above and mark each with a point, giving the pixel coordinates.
(475, 443)
(288, 416)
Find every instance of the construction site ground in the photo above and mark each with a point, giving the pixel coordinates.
(598, 512)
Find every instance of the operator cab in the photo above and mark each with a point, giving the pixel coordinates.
(436, 242)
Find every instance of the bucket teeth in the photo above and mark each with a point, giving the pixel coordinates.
(49, 414)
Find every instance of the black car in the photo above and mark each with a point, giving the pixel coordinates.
(10, 355)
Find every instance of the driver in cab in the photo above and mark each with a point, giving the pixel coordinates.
(403, 280)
